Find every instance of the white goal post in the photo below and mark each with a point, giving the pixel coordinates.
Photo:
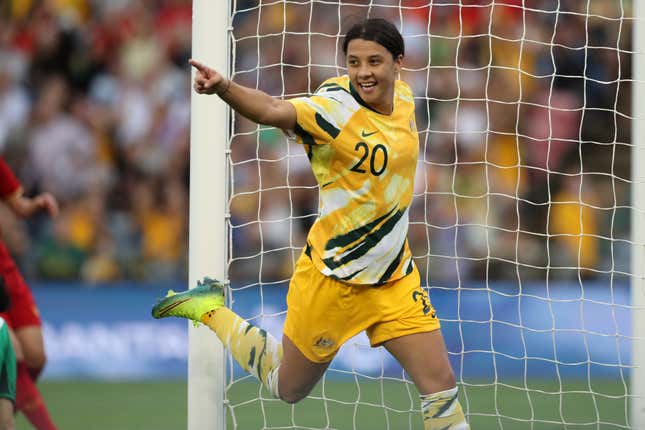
(638, 218)
(207, 252)
(522, 303)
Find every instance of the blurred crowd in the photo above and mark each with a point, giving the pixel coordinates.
(94, 108)
(523, 117)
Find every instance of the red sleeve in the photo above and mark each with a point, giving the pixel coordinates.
(8, 181)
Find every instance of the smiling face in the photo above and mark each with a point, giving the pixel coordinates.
(372, 71)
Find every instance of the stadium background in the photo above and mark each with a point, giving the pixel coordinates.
(94, 107)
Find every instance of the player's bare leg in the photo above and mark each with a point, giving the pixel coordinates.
(297, 375)
(29, 401)
(425, 359)
(6, 415)
(33, 349)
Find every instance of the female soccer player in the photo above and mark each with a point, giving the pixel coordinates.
(356, 272)
(22, 317)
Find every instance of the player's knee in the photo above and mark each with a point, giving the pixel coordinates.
(36, 360)
(292, 396)
(292, 399)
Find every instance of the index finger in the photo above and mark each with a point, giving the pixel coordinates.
(199, 66)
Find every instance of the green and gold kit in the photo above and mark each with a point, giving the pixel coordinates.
(365, 164)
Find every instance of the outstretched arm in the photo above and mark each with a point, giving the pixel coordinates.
(26, 206)
(254, 104)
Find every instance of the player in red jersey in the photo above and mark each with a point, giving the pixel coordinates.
(22, 317)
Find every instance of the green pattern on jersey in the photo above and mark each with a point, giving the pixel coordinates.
(365, 163)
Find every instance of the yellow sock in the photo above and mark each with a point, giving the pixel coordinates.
(442, 411)
(254, 349)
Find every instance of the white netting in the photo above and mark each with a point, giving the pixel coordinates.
(520, 224)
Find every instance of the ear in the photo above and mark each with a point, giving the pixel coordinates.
(398, 64)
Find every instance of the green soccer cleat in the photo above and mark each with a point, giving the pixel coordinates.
(193, 303)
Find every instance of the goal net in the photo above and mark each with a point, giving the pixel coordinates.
(521, 218)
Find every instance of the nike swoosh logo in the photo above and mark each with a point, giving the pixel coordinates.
(363, 134)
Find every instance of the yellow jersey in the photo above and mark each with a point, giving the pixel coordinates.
(364, 163)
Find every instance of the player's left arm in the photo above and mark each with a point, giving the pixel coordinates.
(253, 104)
(27, 206)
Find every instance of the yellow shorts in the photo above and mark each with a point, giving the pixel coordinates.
(323, 313)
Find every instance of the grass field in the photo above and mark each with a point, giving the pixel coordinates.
(373, 406)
